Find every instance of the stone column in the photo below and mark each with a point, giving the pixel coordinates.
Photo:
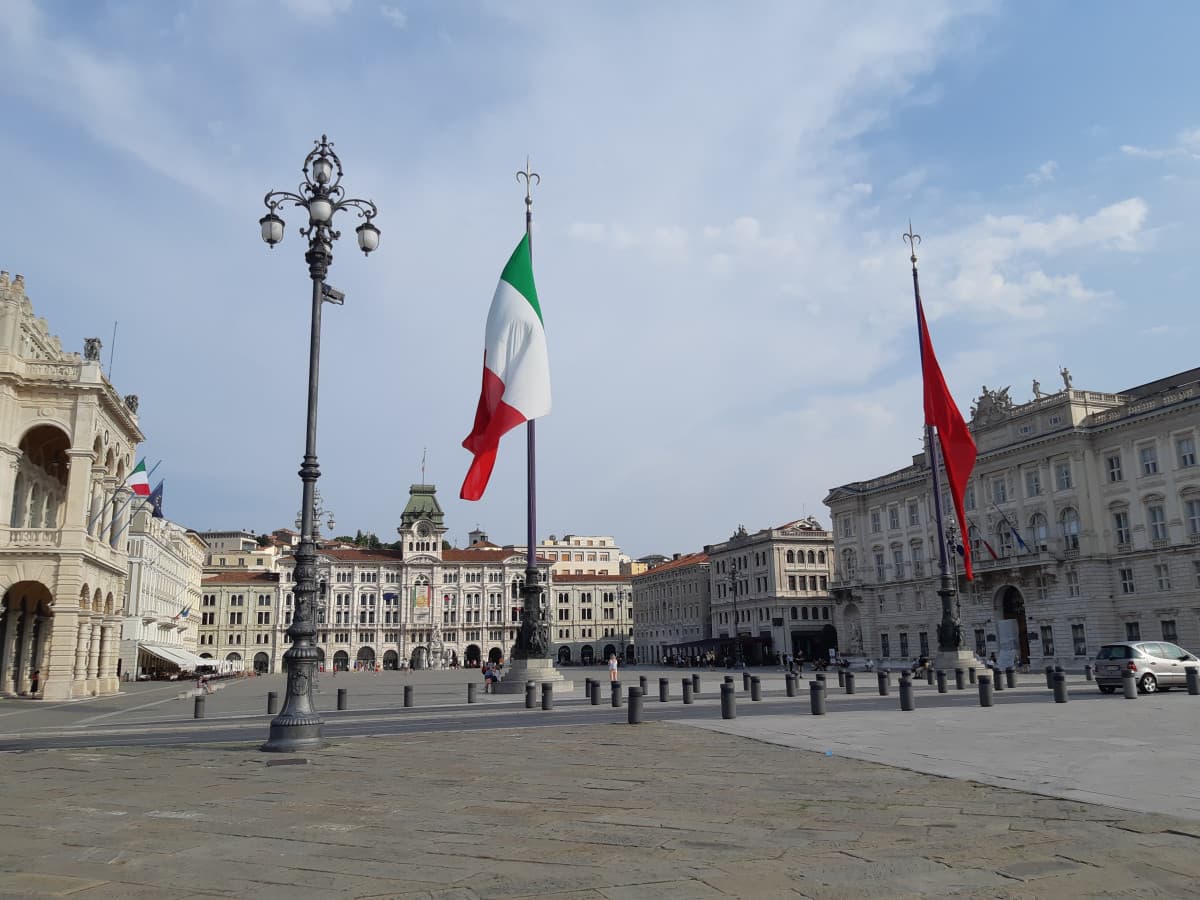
(10, 462)
(43, 625)
(108, 659)
(23, 650)
(79, 678)
(8, 650)
(79, 489)
(93, 663)
(59, 658)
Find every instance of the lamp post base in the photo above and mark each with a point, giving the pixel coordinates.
(518, 671)
(294, 733)
(962, 658)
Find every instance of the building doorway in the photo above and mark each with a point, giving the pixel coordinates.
(473, 655)
(391, 660)
(587, 655)
(419, 658)
(25, 627)
(1012, 630)
(262, 663)
(341, 661)
(564, 656)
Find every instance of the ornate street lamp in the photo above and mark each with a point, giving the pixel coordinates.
(738, 662)
(298, 726)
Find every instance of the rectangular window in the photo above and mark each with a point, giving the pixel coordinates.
(893, 517)
(904, 645)
(898, 563)
(1033, 483)
(876, 522)
(1168, 630)
(1191, 512)
(879, 567)
(1149, 457)
(264, 618)
(847, 526)
(1185, 451)
(1072, 583)
(923, 640)
(914, 513)
(1121, 527)
(1158, 522)
(918, 561)
(1196, 571)
(1062, 476)
(1133, 631)
(981, 643)
(1114, 468)
(1079, 639)
(1047, 640)
(791, 582)
(1127, 586)
(999, 490)
(969, 497)
(1162, 576)
(884, 649)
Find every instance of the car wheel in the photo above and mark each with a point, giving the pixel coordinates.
(1107, 689)
(1147, 684)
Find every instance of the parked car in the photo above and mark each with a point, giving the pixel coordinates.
(1156, 665)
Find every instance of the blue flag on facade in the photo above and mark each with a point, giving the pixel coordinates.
(156, 501)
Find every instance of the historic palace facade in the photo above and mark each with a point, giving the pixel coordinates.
(69, 441)
(1083, 517)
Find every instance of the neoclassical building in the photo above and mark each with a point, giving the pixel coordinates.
(771, 589)
(671, 608)
(70, 441)
(1083, 517)
(238, 628)
(162, 597)
(591, 618)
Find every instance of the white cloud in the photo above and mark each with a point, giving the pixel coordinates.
(1155, 331)
(1187, 145)
(394, 16)
(1043, 173)
(316, 10)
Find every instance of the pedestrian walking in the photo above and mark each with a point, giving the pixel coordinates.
(612, 667)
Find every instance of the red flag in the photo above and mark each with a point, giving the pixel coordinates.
(958, 447)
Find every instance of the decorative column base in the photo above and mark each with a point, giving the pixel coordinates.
(962, 658)
(518, 671)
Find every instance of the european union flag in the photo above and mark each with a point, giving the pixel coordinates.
(156, 501)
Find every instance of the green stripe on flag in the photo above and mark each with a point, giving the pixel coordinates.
(519, 273)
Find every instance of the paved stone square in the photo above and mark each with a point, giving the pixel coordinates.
(600, 811)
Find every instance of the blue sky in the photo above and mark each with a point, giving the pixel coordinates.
(717, 245)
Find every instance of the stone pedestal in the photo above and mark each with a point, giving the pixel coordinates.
(949, 660)
(540, 671)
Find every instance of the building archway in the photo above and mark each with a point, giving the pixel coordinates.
(564, 656)
(341, 661)
(391, 660)
(473, 656)
(234, 659)
(28, 620)
(262, 663)
(630, 653)
(495, 655)
(609, 650)
(366, 658)
(1012, 628)
(40, 486)
(587, 655)
(419, 658)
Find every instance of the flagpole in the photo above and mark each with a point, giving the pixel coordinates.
(949, 631)
(100, 512)
(533, 642)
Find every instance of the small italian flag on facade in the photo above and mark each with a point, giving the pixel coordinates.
(139, 481)
(516, 368)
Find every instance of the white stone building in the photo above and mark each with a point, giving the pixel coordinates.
(591, 618)
(671, 609)
(772, 589)
(1084, 526)
(68, 441)
(582, 554)
(239, 621)
(162, 598)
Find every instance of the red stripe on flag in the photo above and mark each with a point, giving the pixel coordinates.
(958, 447)
(493, 418)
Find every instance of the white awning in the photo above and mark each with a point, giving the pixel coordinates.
(177, 656)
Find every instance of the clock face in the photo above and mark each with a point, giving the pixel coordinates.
(423, 530)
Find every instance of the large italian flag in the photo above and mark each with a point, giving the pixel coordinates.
(139, 481)
(516, 368)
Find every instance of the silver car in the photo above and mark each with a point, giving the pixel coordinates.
(1156, 665)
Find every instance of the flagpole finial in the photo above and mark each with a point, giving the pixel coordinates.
(530, 178)
(912, 240)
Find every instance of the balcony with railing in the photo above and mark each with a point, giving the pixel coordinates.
(34, 538)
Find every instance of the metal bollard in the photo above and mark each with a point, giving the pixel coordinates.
(728, 702)
(635, 706)
(985, 690)
(997, 680)
(272, 703)
(1010, 677)
(687, 692)
(745, 681)
(821, 678)
(841, 678)
(941, 681)
(642, 685)
(755, 688)
(1129, 685)
(959, 679)
(971, 675)
(595, 693)
(729, 679)
(342, 692)
(816, 697)
(616, 693)
(198, 709)
(908, 699)
(929, 675)
(547, 695)
(1193, 680)
(530, 695)
(1050, 676)
(408, 695)
(587, 687)
(696, 684)
(471, 691)
(1087, 672)
(664, 690)
(1060, 669)
(849, 682)
(789, 681)
(884, 683)
(1060, 687)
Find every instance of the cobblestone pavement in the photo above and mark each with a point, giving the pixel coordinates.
(605, 811)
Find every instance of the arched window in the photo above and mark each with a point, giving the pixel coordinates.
(1070, 528)
(791, 556)
(1038, 532)
(812, 557)
(821, 557)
